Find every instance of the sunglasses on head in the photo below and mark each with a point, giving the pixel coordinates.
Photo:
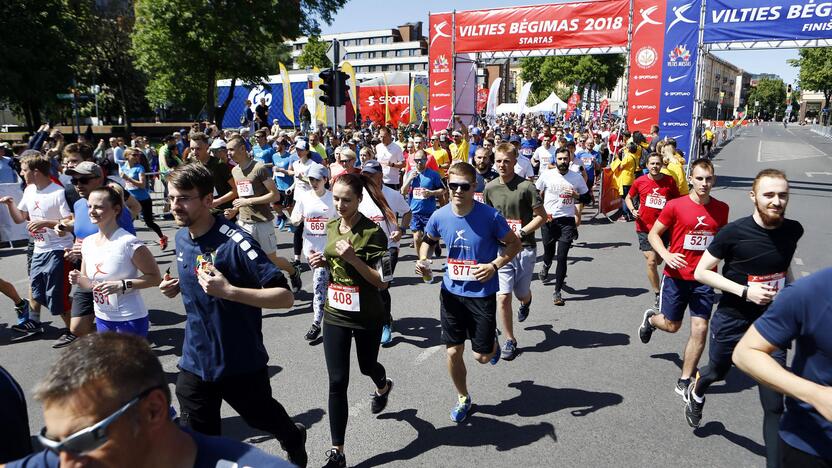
(89, 439)
(453, 186)
(81, 180)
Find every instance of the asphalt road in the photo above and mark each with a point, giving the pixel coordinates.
(583, 392)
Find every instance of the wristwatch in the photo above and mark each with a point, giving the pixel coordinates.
(522, 233)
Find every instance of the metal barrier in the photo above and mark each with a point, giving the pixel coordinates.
(822, 130)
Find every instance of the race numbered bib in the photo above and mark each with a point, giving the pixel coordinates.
(245, 188)
(526, 152)
(515, 225)
(461, 270)
(545, 160)
(698, 241)
(655, 201)
(343, 297)
(567, 199)
(775, 280)
(39, 235)
(316, 226)
(105, 303)
(420, 193)
(478, 197)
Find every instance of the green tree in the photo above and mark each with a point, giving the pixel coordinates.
(184, 48)
(772, 97)
(314, 54)
(815, 71)
(106, 59)
(39, 50)
(559, 73)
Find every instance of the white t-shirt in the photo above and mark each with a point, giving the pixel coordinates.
(300, 168)
(315, 212)
(544, 157)
(397, 203)
(524, 168)
(389, 154)
(576, 165)
(47, 204)
(557, 192)
(113, 261)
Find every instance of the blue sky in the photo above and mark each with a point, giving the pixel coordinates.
(360, 15)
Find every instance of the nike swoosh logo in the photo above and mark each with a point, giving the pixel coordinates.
(670, 110)
(640, 93)
(437, 83)
(436, 108)
(673, 79)
(640, 121)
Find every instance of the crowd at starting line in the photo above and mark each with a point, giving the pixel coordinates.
(477, 193)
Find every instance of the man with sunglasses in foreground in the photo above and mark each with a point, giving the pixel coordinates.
(474, 233)
(106, 403)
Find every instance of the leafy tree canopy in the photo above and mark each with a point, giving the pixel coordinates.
(559, 73)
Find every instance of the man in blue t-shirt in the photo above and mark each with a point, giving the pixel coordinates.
(106, 403)
(262, 151)
(801, 312)
(225, 280)
(422, 187)
(282, 161)
(474, 233)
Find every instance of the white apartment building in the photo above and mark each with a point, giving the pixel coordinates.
(400, 49)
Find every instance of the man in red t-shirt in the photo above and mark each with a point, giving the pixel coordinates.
(652, 191)
(692, 221)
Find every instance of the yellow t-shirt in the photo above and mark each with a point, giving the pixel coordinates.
(441, 157)
(460, 152)
(709, 135)
(675, 170)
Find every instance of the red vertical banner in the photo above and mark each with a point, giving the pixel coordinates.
(645, 83)
(440, 71)
(482, 99)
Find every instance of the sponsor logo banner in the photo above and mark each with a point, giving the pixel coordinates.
(764, 20)
(679, 60)
(563, 26)
(646, 63)
(374, 102)
(440, 65)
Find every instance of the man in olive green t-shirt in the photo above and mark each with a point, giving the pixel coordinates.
(256, 191)
(519, 202)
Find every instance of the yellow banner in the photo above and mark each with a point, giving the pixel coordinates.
(320, 108)
(386, 100)
(288, 105)
(347, 68)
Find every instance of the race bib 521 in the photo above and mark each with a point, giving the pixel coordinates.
(698, 240)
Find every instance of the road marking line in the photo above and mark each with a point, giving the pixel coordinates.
(426, 354)
(804, 274)
(760, 152)
(798, 261)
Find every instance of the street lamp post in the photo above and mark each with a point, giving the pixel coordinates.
(95, 90)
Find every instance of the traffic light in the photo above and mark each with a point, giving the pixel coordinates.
(327, 86)
(341, 88)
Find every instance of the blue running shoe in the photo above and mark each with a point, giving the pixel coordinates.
(281, 224)
(494, 360)
(462, 408)
(386, 334)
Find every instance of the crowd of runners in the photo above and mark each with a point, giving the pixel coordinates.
(473, 198)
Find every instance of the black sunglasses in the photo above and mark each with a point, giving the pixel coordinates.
(82, 180)
(88, 439)
(455, 186)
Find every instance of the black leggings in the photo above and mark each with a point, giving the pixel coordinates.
(147, 216)
(385, 293)
(337, 343)
(297, 240)
(553, 246)
(770, 400)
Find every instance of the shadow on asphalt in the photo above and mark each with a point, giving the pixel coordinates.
(170, 339)
(236, 428)
(601, 245)
(422, 332)
(578, 339)
(734, 382)
(716, 428)
(164, 318)
(476, 431)
(550, 400)
(597, 292)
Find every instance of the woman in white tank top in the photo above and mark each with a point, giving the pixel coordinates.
(115, 266)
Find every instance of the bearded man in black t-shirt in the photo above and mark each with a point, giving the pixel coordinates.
(757, 251)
